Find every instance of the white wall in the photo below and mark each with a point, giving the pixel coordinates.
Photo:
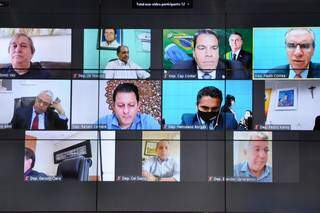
(26, 88)
(60, 140)
(307, 107)
(84, 101)
(108, 155)
(47, 48)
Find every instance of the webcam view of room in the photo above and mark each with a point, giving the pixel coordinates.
(156, 158)
(252, 157)
(286, 53)
(207, 105)
(61, 156)
(129, 105)
(114, 53)
(203, 53)
(292, 105)
(35, 104)
(35, 53)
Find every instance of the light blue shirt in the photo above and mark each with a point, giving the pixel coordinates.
(162, 169)
(304, 73)
(141, 121)
(242, 170)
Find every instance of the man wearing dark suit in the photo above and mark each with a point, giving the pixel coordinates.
(237, 53)
(209, 115)
(300, 44)
(206, 63)
(44, 114)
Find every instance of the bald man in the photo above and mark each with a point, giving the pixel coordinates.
(161, 167)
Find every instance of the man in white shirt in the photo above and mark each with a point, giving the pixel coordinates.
(122, 68)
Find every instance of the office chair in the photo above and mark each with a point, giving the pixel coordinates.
(75, 168)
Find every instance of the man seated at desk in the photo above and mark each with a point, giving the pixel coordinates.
(161, 167)
(44, 114)
(123, 68)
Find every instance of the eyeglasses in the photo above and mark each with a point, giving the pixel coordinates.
(303, 46)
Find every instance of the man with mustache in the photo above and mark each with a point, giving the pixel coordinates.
(21, 51)
(300, 45)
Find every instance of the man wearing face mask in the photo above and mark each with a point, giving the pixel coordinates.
(209, 115)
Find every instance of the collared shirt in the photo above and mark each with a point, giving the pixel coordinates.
(41, 116)
(41, 119)
(242, 170)
(113, 44)
(141, 121)
(200, 74)
(119, 70)
(304, 73)
(237, 54)
(162, 169)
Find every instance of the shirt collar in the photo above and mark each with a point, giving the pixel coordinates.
(292, 73)
(237, 53)
(115, 121)
(201, 73)
(245, 168)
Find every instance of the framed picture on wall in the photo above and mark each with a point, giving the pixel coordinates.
(286, 99)
(109, 38)
(150, 148)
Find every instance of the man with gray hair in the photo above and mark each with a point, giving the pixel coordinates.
(21, 51)
(300, 45)
(255, 165)
(43, 114)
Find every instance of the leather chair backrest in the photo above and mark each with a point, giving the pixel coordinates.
(76, 168)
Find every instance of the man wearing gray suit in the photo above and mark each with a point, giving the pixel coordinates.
(300, 45)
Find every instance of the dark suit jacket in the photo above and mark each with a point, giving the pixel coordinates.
(23, 115)
(314, 70)
(226, 121)
(244, 57)
(225, 70)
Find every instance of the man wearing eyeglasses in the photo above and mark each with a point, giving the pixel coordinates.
(206, 63)
(300, 45)
(255, 165)
(43, 114)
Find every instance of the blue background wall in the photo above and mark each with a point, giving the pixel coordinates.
(91, 53)
(180, 96)
(269, 48)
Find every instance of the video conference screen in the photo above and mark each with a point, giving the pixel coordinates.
(194, 114)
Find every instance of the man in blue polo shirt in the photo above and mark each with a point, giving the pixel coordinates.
(256, 153)
(126, 113)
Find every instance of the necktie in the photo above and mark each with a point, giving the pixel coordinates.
(298, 76)
(206, 76)
(35, 122)
(234, 57)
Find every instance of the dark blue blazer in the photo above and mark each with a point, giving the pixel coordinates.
(226, 121)
(23, 115)
(226, 69)
(314, 70)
